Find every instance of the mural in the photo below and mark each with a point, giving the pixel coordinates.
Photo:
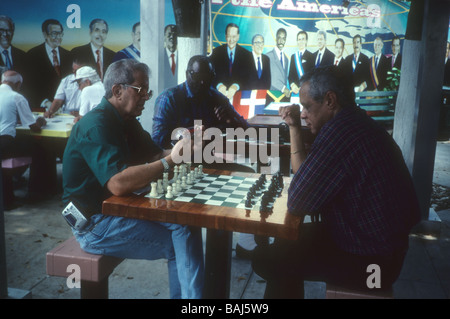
(362, 37)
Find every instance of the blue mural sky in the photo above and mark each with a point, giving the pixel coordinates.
(120, 15)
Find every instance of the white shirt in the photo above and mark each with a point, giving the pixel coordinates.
(255, 60)
(91, 96)
(50, 53)
(69, 92)
(9, 55)
(13, 105)
(169, 53)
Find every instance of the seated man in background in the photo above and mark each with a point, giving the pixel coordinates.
(67, 96)
(91, 87)
(14, 107)
(194, 99)
(355, 177)
(109, 153)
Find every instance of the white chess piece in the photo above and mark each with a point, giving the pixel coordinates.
(153, 191)
(169, 193)
(200, 170)
(174, 189)
(183, 182)
(159, 188)
(178, 186)
(175, 173)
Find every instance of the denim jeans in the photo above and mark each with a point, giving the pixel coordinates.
(141, 239)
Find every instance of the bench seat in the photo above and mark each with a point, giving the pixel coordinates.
(94, 269)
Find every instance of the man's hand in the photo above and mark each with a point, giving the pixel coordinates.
(48, 114)
(223, 89)
(291, 114)
(231, 91)
(286, 92)
(222, 114)
(295, 89)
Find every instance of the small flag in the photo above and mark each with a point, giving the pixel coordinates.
(250, 103)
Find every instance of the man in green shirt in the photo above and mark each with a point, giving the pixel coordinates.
(109, 153)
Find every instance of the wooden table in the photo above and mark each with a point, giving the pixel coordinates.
(220, 223)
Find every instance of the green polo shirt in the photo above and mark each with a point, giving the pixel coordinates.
(101, 145)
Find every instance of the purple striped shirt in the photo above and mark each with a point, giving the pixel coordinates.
(356, 178)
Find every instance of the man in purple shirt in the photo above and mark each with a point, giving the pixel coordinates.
(354, 177)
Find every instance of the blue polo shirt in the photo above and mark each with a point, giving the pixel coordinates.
(101, 145)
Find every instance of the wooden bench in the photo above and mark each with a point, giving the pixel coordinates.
(10, 167)
(380, 105)
(336, 292)
(94, 269)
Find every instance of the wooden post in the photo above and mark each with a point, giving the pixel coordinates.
(419, 98)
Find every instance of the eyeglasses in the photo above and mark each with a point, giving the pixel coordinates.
(6, 31)
(139, 90)
(55, 34)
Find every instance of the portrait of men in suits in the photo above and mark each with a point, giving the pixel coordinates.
(133, 51)
(231, 63)
(357, 64)
(12, 58)
(95, 53)
(379, 66)
(339, 46)
(171, 56)
(395, 59)
(323, 56)
(279, 64)
(259, 76)
(302, 62)
(47, 64)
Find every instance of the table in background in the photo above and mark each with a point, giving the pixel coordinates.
(220, 222)
(52, 140)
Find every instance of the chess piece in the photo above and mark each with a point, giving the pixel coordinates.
(159, 188)
(169, 193)
(178, 186)
(153, 191)
(174, 190)
(183, 182)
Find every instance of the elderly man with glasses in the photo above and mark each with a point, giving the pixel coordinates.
(12, 58)
(48, 64)
(109, 153)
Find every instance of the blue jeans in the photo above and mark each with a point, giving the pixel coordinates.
(141, 239)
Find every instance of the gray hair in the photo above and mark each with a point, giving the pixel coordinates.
(9, 21)
(324, 79)
(16, 78)
(322, 33)
(122, 72)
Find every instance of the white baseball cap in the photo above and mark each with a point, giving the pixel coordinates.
(84, 72)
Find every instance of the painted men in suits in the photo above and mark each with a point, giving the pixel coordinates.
(171, 56)
(279, 64)
(395, 60)
(47, 64)
(323, 56)
(357, 64)
(301, 62)
(379, 66)
(95, 54)
(339, 59)
(231, 63)
(259, 73)
(133, 51)
(12, 58)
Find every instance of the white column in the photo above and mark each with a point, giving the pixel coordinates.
(152, 50)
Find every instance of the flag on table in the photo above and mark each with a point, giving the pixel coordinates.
(250, 103)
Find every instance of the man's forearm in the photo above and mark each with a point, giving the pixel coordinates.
(298, 151)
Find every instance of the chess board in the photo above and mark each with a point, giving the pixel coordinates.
(220, 190)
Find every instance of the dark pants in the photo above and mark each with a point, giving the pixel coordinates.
(314, 257)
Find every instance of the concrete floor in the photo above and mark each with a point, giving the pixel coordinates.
(33, 229)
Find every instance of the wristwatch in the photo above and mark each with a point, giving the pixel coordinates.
(165, 164)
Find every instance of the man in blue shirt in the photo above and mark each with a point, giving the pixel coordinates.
(192, 100)
(109, 153)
